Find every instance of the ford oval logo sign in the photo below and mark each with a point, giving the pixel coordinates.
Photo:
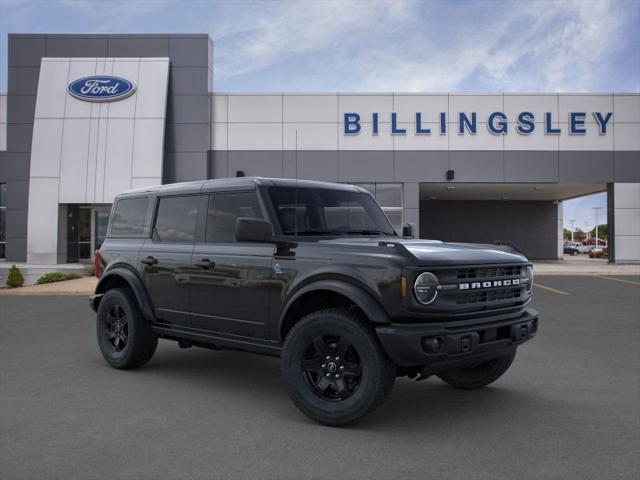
(101, 88)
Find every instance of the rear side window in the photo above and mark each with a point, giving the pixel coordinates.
(176, 219)
(129, 216)
(224, 210)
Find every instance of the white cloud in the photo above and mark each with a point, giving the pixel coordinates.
(533, 46)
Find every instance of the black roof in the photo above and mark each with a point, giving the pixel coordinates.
(237, 183)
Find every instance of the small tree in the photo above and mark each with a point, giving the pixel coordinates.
(15, 278)
(603, 231)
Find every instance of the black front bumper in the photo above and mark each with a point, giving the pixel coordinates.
(446, 345)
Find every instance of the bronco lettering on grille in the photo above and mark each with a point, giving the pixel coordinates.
(489, 284)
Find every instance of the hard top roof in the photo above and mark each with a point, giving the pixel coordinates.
(236, 183)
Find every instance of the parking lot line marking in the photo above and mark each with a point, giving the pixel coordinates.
(554, 290)
(631, 282)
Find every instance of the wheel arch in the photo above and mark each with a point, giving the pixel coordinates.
(322, 294)
(123, 277)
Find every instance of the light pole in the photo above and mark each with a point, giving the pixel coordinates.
(596, 210)
(572, 222)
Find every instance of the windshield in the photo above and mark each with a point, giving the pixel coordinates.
(325, 211)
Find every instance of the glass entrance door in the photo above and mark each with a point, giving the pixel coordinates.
(78, 233)
(86, 230)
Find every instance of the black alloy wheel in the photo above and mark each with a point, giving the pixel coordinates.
(117, 327)
(125, 337)
(332, 367)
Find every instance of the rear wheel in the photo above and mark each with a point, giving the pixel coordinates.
(478, 376)
(334, 368)
(124, 336)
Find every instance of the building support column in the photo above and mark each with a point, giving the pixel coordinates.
(623, 208)
(560, 236)
(411, 206)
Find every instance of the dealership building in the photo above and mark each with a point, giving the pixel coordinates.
(88, 116)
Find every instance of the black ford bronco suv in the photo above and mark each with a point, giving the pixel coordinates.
(312, 272)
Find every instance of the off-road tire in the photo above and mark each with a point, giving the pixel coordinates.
(141, 341)
(480, 375)
(359, 395)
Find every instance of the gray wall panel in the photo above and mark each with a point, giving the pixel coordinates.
(16, 167)
(17, 195)
(189, 51)
(19, 137)
(187, 137)
(626, 166)
(138, 46)
(23, 81)
(532, 226)
(16, 250)
(219, 164)
(260, 163)
(529, 166)
(428, 166)
(365, 166)
(16, 220)
(76, 46)
(188, 80)
(26, 50)
(188, 109)
(586, 166)
(317, 165)
(185, 166)
(22, 108)
(477, 166)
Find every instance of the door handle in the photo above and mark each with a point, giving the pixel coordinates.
(149, 260)
(205, 263)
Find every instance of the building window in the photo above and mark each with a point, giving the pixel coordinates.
(3, 223)
(389, 196)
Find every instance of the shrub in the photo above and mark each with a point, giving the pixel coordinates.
(90, 270)
(15, 278)
(596, 254)
(52, 277)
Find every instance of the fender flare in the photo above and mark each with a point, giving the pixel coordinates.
(136, 285)
(358, 295)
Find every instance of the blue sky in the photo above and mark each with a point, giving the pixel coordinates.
(369, 45)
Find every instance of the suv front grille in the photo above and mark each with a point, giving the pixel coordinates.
(491, 272)
(488, 296)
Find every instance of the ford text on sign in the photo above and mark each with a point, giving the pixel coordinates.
(101, 88)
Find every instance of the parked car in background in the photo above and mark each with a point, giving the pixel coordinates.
(570, 249)
(577, 246)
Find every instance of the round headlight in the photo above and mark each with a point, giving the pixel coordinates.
(529, 279)
(426, 288)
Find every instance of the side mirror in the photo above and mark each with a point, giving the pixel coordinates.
(253, 230)
(407, 230)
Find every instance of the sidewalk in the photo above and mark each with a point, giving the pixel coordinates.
(583, 265)
(80, 286)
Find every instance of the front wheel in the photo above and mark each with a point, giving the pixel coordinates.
(334, 368)
(478, 376)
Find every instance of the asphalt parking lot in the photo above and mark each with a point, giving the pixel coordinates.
(568, 408)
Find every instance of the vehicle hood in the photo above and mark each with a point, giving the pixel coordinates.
(435, 252)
